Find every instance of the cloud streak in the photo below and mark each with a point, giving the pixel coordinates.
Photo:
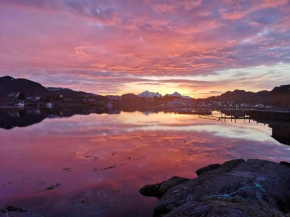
(81, 39)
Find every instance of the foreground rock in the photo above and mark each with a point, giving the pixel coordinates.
(159, 189)
(236, 188)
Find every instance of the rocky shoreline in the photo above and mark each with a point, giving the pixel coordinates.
(237, 188)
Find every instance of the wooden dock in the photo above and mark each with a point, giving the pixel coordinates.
(262, 114)
(273, 115)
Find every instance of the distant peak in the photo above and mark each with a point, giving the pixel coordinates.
(148, 94)
(239, 90)
(175, 94)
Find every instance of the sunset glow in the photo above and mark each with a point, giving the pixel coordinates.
(199, 48)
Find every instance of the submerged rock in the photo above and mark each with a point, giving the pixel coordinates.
(53, 186)
(236, 188)
(14, 209)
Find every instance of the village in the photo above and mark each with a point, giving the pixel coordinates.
(67, 98)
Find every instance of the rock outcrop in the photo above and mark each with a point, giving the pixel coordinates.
(159, 189)
(236, 188)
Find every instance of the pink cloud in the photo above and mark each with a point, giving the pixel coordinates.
(139, 38)
(274, 3)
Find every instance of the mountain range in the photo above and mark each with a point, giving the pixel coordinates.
(148, 94)
(9, 84)
(244, 96)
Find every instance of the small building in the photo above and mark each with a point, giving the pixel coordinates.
(281, 97)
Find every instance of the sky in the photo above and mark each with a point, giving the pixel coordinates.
(199, 48)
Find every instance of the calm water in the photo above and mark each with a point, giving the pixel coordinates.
(102, 160)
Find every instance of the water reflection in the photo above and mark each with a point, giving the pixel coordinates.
(14, 117)
(101, 160)
(11, 118)
(281, 132)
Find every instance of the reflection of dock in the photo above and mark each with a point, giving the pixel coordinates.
(281, 132)
(281, 115)
(201, 112)
(215, 118)
(275, 119)
(224, 118)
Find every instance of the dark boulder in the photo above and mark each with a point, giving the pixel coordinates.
(224, 208)
(207, 168)
(236, 188)
(151, 190)
(229, 165)
(170, 183)
(159, 189)
(285, 163)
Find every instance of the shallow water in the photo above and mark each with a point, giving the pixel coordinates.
(102, 160)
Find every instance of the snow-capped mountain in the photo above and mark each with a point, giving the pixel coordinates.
(148, 94)
(176, 94)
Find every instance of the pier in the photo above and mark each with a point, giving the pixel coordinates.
(273, 114)
(264, 115)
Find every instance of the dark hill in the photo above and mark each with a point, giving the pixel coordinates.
(68, 93)
(9, 84)
(282, 89)
(243, 96)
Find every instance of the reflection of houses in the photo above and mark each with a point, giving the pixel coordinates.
(281, 132)
(281, 96)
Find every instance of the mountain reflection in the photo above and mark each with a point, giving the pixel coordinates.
(99, 160)
(14, 117)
